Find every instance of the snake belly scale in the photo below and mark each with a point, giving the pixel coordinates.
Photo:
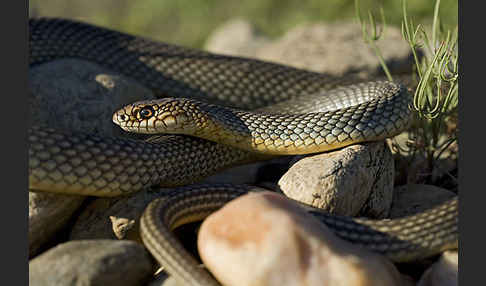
(267, 95)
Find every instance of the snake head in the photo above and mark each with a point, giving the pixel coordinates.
(167, 115)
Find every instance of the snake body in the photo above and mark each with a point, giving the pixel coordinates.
(291, 104)
(376, 110)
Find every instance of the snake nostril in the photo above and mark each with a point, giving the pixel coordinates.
(122, 117)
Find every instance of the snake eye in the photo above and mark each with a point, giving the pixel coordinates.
(146, 112)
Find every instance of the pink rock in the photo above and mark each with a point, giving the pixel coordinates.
(266, 239)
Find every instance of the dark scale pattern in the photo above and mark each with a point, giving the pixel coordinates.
(404, 239)
(104, 166)
(175, 71)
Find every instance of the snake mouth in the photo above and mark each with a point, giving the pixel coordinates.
(120, 118)
(127, 123)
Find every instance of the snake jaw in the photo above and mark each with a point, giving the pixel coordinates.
(132, 118)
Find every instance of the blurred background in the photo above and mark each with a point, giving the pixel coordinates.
(189, 23)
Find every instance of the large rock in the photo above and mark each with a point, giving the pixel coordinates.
(237, 37)
(48, 215)
(266, 239)
(92, 262)
(80, 95)
(355, 180)
(337, 48)
(332, 48)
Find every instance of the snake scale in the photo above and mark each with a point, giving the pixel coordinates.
(263, 109)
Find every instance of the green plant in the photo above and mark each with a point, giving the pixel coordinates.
(375, 35)
(435, 98)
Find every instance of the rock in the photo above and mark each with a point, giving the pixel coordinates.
(414, 198)
(337, 48)
(355, 180)
(49, 214)
(113, 218)
(442, 273)
(92, 262)
(266, 239)
(236, 37)
(332, 48)
(84, 95)
(122, 226)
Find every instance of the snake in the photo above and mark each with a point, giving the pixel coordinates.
(218, 111)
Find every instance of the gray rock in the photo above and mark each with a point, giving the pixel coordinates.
(236, 37)
(92, 262)
(442, 273)
(81, 96)
(414, 198)
(337, 48)
(332, 48)
(48, 214)
(355, 180)
(113, 218)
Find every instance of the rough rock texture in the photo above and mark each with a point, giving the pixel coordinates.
(442, 273)
(92, 262)
(414, 198)
(113, 218)
(84, 95)
(334, 48)
(354, 180)
(48, 214)
(236, 37)
(265, 239)
(337, 48)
